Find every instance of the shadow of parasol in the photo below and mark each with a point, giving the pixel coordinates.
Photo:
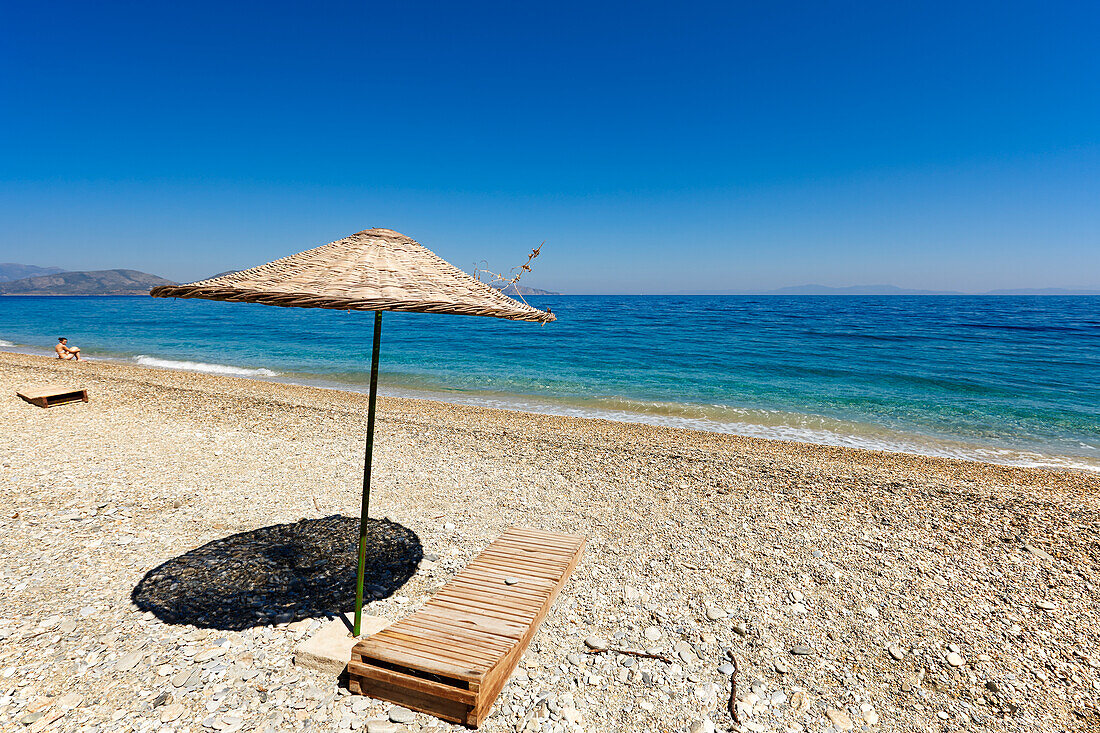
(278, 574)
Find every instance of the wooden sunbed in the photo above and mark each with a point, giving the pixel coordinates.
(452, 657)
(53, 395)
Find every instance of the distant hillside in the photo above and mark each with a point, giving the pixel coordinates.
(522, 290)
(91, 282)
(11, 271)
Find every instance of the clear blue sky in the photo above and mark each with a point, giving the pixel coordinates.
(655, 147)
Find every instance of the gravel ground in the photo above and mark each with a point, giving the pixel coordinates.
(155, 573)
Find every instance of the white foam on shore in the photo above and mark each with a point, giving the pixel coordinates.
(202, 366)
(772, 425)
(6, 343)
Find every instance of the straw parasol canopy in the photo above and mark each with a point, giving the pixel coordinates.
(374, 270)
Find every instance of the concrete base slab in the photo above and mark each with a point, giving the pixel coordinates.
(329, 650)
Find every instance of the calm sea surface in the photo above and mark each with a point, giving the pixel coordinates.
(1003, 379)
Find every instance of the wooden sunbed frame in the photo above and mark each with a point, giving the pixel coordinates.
(51, 396)
(452, 657)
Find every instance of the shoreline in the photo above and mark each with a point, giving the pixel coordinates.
(884, 590)
(883, 441)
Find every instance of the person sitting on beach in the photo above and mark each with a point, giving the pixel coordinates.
(66, 352)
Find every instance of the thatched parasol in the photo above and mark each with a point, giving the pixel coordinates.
(374, 270)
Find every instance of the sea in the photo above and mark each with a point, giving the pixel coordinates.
(1003, 379)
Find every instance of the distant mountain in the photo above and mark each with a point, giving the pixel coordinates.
(11, 271)
(90, 282)
(521, 290)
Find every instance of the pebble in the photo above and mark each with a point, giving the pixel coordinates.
(801, 651)
(401, 715)
(1038, 553)
(702, 726)
(897, 652)
(652, 633)
(70, 700)
(685, 652)
(726, 668)
(955, 660)
(380, 726)
(715, 614)
(129, 661)
(207, 654)
(597, 642)
(839, 718)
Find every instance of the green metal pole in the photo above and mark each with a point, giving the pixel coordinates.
(366, 473)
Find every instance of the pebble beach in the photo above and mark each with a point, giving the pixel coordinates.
(837, 589)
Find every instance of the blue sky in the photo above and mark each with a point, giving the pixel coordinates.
(654, 147)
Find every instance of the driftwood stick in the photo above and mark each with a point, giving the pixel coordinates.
(733, 692)
(630, 653)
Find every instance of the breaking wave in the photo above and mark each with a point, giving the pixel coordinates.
(202, 366)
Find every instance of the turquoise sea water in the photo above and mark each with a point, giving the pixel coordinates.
(1003, 379)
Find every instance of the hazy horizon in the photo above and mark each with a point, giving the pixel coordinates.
(809, 288)
(708, 147)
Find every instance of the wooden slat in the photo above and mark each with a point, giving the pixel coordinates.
(475, 610)
(467, 595)
(487, 606)
(518, 590)
(527, 548)
(414, 661)
(447, 692)
(509, 559)
(429, 651)
(483, 623)
(535, 547)
(502, 592)
(464, 637)
(487, 627)
(498, 576)
(417, 640)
